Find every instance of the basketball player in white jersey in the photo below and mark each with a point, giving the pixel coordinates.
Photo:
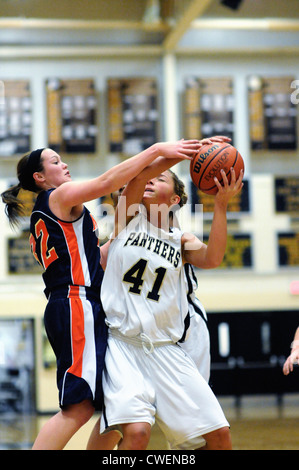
(148, 376)
(197, 343)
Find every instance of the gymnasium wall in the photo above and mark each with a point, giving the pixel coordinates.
(261, 287)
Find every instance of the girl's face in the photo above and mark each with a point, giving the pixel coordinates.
(54, 172)
(160, 190)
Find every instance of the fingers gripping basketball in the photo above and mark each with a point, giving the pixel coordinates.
(209, 162)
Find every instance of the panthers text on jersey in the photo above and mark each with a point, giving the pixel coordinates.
(144, 289)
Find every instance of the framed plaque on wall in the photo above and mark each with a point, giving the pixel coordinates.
(132, 114)
(238, 204)
(287, 194)
(15, 117)
(288, 248)
(238, 252)
(72, 114)
(272, 115)
(208, 107)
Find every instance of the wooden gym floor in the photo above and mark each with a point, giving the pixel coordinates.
(257, 423)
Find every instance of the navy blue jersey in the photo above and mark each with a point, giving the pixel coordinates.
(68, 251)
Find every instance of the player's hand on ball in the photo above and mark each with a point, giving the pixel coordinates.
(227, 191)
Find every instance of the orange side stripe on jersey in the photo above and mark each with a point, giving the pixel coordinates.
(76, 265)
(77, 330)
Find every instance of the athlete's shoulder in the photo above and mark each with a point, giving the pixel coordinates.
(42, 200)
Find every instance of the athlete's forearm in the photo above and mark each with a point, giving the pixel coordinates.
(217, 237)
(295, 342)
(211, 255)
(119, 175)
(134, 190)
(157, 167)
(124, 172)
(75, 193)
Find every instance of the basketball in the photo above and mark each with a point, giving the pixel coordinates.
(208, 163)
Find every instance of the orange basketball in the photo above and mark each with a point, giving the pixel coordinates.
(208, 163)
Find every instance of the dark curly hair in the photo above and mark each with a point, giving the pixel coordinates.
(179, 188)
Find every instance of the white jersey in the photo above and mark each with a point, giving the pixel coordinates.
(197, 343)
(143, 289)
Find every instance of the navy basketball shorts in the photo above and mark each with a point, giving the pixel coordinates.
(75, 326)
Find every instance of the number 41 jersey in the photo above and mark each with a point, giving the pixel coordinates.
(143, 289)
(68, 251)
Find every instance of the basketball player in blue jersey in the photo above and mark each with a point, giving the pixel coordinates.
(147, 374)
(63, 239)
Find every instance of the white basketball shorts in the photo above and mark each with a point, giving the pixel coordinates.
(165, 386)
(197, 345)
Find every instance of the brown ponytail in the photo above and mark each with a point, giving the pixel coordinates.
(29, 164)
(14, 207)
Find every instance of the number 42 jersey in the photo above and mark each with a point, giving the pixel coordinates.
(68, 251)
(143, 289)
